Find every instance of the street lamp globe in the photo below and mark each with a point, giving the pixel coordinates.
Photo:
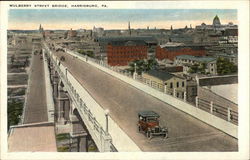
(106, 112)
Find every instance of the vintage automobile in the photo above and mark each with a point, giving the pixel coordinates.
(149, 124)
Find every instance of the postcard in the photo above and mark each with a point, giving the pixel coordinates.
(124, 80)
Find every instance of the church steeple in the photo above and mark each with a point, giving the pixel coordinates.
(129, 28)
(40, 28)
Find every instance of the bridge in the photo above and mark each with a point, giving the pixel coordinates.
(103, 102)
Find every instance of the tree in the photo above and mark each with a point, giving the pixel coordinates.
(81, 51)
(198, 68)
(143, 65)
(193, 68)
(224, 66)
(90, 54)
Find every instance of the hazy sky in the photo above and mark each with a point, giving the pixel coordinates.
(115, 18)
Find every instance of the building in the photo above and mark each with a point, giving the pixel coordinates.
(71, 33)
(175, 85)
(231, 57)
(187, 61)
(103, 42)
(98, 31)
(216, 25)
(47, 33)
(120, 53)
(216, 21)
(40, 29)
(191, 91)
(19, 40)
(171, 50)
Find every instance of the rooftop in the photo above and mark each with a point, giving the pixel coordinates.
(226, 55)
(128, 43)
(197, 58)
(176, 45)
(163, 75)
(147, 39)
(36, 137)
(148, 114)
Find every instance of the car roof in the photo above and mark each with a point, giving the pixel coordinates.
(148, 114)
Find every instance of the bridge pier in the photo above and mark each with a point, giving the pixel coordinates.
(63, 106)
(80, 135)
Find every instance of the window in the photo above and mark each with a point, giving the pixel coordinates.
(183, 84)
(177, 84)
(177, 94)
(193, 91)
(171, 85)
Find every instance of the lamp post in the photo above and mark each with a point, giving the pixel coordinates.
(101, 60)
(106, 115)
(135, 67)
(135, 74)
(66, 71)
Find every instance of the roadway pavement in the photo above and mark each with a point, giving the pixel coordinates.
(124, 102)
(36, 107)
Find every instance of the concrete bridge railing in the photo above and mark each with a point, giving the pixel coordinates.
(181, 104)
(49, 91)
(93, 114)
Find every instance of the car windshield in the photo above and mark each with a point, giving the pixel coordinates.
(152, 119)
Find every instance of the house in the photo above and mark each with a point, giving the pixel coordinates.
(209, 63)
(175, 85)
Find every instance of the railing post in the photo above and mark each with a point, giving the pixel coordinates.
(107, 143)
(228, 114)
(211, 107)
(174, 92)
(66, 72)
(150, 83)
(197, 101)
(165, 89)
(134, 75)
(185, 96)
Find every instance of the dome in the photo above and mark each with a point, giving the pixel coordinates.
(216, 21)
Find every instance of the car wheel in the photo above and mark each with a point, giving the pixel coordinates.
(166, 136)
(149, 134)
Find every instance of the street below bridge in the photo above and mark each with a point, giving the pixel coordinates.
(36, 105)
(124, 102)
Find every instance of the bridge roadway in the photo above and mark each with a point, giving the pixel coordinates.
(124, 102)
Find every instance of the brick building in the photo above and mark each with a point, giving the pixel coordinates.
(120, 53)
(72, 33)
(171, 50)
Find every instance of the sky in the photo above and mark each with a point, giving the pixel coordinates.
(115, 18)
